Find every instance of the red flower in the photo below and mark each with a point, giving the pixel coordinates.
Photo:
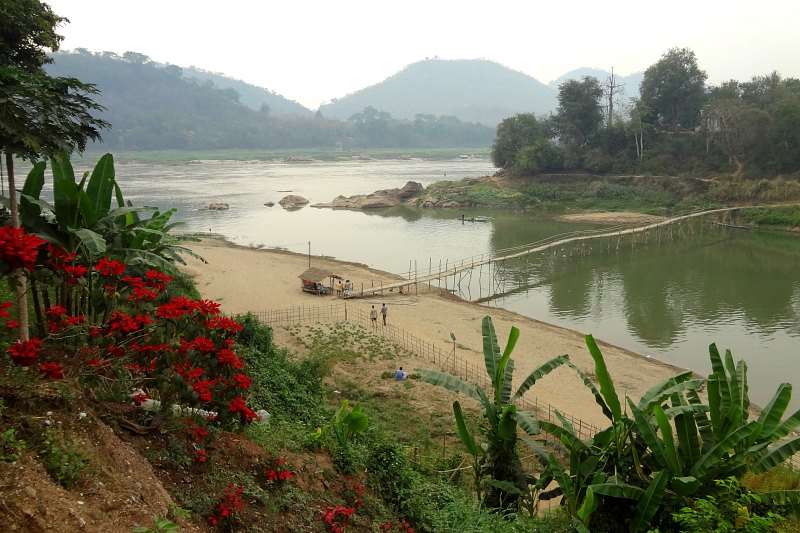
(139, 398)
(272, 475)
(200, 455)
(74, 272)
(285, 475)
(25, 353)
(12, 324)
(203, 389)
(157, 279)
(18, 249)
(242, 381)
(52, 370)
(203, 344)
(110, 267)
(177, 307)
(4, 310)
(238, 405)
(223, 323)
(227, 357)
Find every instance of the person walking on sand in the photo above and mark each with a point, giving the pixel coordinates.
(373, 315)
(384, 310)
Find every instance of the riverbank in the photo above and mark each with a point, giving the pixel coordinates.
(245, 279)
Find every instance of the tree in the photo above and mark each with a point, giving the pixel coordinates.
(579, 113)
(738, 127)
(39, 115)
(673, 89)
(512, 134)
(27, 31)
(538, 157)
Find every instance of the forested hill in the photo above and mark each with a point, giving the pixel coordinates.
(252, 96)
(152, 106)
(473, 90)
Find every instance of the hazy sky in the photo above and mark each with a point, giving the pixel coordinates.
(312, 51)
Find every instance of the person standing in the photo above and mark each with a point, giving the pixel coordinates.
(384, 310)
(373, 316)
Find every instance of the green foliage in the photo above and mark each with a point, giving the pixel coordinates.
(671, 449)
(728, 508)
(541, 156)
(62, 459)
(579, 114)
(160, 525)
(672, 89)
(497, 458)
(513, 134)
(11, 447)
(286, 388)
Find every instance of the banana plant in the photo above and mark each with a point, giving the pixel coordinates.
(717, 440)
(603, 465)
(82, 218)
(496, 457)
(671, 448)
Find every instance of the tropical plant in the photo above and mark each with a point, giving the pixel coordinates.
(496, 459)
(82, 225)
(641, 459)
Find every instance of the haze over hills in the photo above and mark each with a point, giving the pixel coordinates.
(474, 90)
(152, 106)
(630, 83)
(250, 95)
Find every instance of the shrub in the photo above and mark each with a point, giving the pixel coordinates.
(11, 447)
(61, 459)
(728, 508)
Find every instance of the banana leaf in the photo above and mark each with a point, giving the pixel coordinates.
(598, 398)
(649, 502)
(657, 394)
(527, 422)
(771, 415)
(539, 373)
(604, 379)
(777, 455)
(491, 350)
(463, 431)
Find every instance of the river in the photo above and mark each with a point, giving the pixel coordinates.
(738, 288)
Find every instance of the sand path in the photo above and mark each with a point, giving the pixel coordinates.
(244, 279)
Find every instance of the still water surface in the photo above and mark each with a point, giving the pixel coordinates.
(668, 301)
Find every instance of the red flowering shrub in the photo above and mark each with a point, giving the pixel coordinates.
(402, 525)
(279, 471)
(229, 507)
(337, 518)
(18, 249)
(25, 353)
(117, 319)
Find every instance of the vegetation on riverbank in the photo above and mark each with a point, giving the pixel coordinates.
(678, 126)
(585, 192)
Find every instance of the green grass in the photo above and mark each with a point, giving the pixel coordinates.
(773, 216)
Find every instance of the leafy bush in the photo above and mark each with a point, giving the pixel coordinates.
(11, 447)
(728, 508)
(62, 460)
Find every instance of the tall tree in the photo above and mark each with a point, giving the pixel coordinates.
(738, 127)
(39, 115)
(27, 32)
(579, 114)
(673, 89)
(513, 133)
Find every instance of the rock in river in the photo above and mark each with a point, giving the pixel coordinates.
(218, 206)
(292, 201)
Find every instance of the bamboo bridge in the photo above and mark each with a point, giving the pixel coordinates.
(413, 278)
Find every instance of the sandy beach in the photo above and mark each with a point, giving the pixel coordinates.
(245, 279)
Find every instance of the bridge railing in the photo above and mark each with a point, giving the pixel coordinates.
(446, 359)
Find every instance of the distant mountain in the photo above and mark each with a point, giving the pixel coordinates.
(152, 106)
(473, 90)
(631, 82)
(250, 95)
